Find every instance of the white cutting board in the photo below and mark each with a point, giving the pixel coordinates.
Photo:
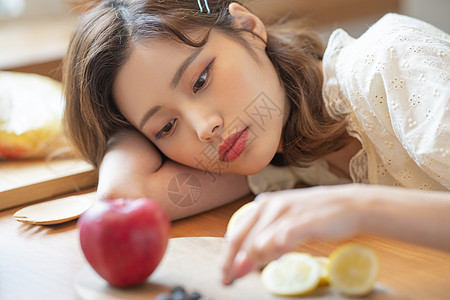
(194, 263)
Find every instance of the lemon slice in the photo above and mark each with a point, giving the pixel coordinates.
(292, 274)
(237, 218)
(323, 264)
(353, 270)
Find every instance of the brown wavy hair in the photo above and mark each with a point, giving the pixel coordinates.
(108, 31)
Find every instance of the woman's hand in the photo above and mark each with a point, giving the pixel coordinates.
(282, 220)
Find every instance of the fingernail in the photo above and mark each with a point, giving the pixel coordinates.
(226, 274)
(242, 265)
(226, 280)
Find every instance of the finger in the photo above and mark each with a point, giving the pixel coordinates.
(270, 243)
(234, 243)
(264, 247)
(239, 263)
(242, 265)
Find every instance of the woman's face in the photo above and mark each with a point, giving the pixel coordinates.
(216, 108)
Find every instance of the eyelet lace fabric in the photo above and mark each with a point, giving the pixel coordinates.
(338, 106)
(392, 86)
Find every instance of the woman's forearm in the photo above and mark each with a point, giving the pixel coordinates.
(185, 191)
(133, 168)
(408, 215)
(127, 159)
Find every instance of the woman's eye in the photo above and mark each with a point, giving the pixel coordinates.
(202, 79)
(200, 83)
(166, 129)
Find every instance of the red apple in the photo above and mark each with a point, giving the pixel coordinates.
(124, 239)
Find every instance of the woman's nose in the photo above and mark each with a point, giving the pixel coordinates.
(206, 121)
(209, 127)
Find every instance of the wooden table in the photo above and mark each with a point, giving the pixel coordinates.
(41, 262)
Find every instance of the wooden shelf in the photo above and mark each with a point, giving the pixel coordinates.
(26, 181)
(320, 12)
(35, 45)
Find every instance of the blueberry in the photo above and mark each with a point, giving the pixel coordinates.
(178, 289)
(178, 293)
(163, 296)
(195, 296)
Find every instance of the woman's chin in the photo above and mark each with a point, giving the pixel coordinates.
(255, 166)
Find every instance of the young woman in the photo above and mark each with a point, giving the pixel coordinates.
(163, 95)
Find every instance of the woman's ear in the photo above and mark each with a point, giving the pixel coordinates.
(246, 20)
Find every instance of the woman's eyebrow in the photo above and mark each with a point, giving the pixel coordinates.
(147, 115)
(180, 71)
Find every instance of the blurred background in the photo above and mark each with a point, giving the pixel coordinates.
(34, 34)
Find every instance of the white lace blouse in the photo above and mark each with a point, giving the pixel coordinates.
(393, 86)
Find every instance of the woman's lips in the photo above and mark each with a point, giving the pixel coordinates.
(233, 146)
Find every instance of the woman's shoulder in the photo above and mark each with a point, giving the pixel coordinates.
(390, 30)
(394, 21)
(401, 35)
(394, 29)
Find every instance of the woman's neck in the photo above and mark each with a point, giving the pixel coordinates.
(339, 161)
